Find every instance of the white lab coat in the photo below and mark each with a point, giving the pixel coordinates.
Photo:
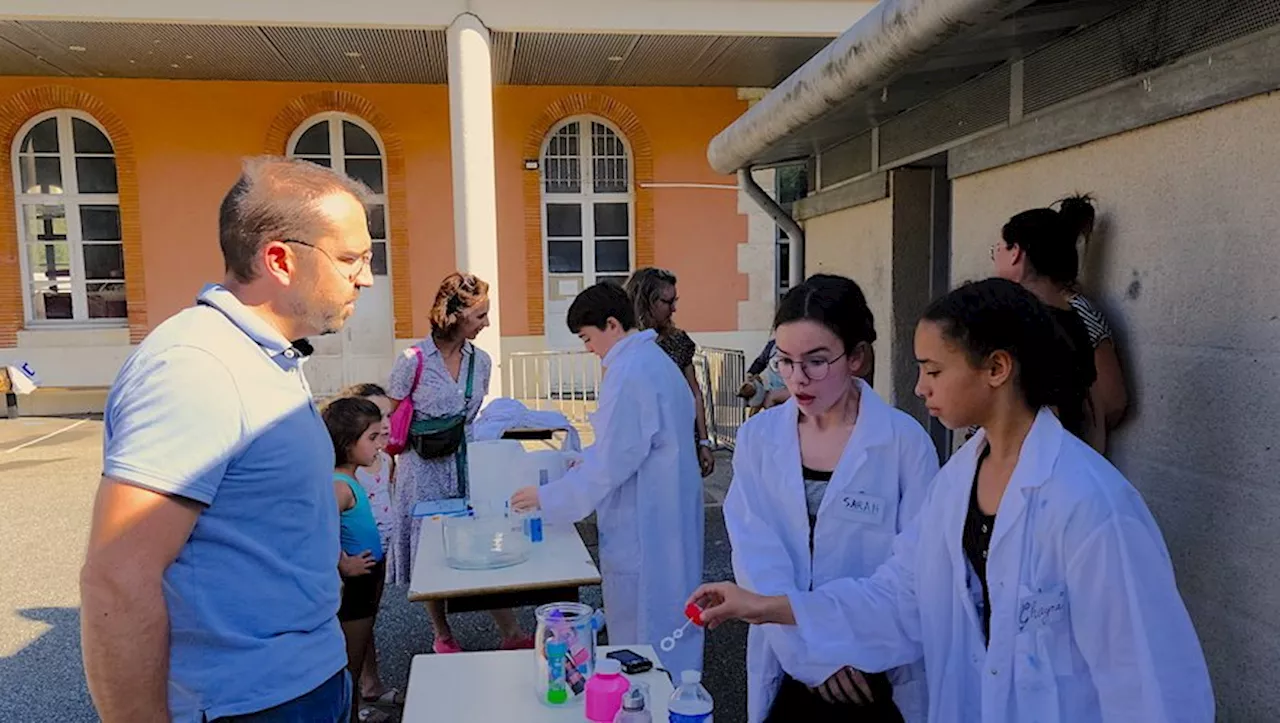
(877, 487)
(505, 413)
(643, 480)
(1086, 621)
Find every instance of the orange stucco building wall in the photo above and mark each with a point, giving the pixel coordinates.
(188, 138)
(695, 230)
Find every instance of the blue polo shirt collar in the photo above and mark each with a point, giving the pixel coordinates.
(255, 327)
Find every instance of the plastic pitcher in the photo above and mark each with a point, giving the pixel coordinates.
(574, 625)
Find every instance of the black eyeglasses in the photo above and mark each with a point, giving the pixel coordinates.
(815, 370)
(361, 264)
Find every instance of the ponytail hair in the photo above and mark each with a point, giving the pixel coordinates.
(1078, 215)
(983, 317)
(1049, 237)
(835, 302)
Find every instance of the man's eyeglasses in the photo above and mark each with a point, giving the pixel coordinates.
(344, 269)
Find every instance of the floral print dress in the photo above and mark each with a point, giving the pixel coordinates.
(438, 395)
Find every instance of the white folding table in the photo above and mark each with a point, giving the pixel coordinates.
(499, 686)
(556, 568)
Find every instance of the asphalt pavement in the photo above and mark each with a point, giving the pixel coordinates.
(49, 469)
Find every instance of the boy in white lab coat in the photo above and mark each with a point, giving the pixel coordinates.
(1034, 582)
(641, 477)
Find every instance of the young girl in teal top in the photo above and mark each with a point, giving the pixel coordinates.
(356, 427)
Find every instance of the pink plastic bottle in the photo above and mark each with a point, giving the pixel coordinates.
(605, 691)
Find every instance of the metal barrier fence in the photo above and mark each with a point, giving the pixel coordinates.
(564, 381)
(720, 373)
(569, 382)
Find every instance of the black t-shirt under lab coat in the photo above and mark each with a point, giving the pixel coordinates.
(976, 541)
(797, 703)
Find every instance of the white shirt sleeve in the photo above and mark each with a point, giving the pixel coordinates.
(871, 623)
(1131, 626)
(625, 426)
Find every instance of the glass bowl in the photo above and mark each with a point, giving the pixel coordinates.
(484, 543)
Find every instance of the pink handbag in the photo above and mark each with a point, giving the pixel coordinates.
(402, 417)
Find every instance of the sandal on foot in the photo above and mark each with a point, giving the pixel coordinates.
(373, 715)
(446, 645)
(391, 697)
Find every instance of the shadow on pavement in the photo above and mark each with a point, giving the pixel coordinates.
(45, 680)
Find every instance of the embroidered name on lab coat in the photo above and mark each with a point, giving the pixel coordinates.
(1041, 609)
(863, 508)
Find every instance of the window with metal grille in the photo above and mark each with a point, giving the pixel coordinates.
(588, 214)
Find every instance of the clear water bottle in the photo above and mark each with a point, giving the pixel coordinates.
(635, 706)
(691, 703)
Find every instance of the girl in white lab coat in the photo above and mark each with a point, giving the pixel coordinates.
(821, 486)
(1034, 582)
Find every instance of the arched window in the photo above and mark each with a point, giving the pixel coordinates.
(72, 256)
(587, 204)
(342, 141)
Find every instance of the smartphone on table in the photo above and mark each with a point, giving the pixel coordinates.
(631, 661)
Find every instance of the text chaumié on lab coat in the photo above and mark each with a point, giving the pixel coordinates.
(1086, 621)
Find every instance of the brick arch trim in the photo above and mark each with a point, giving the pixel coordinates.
(298, 111)
(626, 121)
(14, 113)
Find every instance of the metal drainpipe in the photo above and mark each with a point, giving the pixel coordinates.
(780, 217)
(865, 59)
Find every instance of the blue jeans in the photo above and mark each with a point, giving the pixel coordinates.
(329, 703)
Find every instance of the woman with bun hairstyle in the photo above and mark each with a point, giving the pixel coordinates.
(1038, 249)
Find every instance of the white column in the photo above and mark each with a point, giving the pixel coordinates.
(475, 206)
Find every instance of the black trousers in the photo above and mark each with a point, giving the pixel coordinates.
(797, 703)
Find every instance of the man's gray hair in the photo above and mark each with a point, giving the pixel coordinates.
(277, 199)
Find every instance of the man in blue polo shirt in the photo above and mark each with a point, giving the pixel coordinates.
(210, 587)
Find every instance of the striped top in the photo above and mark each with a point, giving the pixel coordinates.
(1094, 322)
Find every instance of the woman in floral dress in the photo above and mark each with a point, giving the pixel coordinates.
(460, 312)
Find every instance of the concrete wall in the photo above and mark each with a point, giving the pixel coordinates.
(1186, 264)
(913, 223)
(696, 232)
(858, 242)
(757, 259)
